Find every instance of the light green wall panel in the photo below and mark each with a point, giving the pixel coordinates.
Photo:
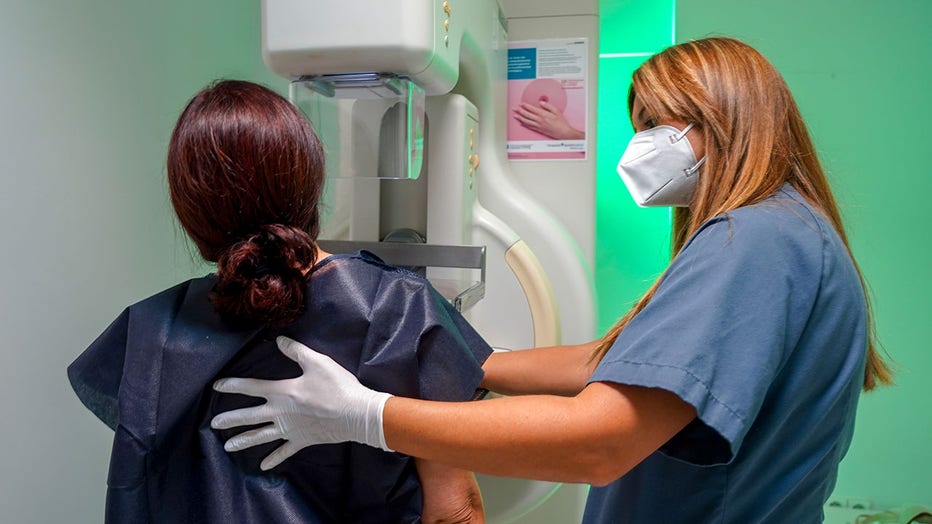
(636, 25)
(860, 71)
(632, 244)
(90, 93)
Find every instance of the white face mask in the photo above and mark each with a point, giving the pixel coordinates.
(659, 167)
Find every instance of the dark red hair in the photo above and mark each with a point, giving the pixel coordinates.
(245, 172)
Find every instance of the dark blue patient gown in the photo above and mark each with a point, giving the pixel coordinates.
(149, 376)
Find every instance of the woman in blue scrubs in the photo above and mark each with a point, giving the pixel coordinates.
(727, 394)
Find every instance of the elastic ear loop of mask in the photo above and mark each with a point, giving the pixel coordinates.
(681, 135)
(692, 170)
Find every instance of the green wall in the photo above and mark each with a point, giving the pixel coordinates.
(90, 94)
(632, 244)
(860, 71)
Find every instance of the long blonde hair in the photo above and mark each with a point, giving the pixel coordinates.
(755, 141)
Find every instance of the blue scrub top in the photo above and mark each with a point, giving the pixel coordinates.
(760, 324)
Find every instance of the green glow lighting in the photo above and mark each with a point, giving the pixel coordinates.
(632, 244)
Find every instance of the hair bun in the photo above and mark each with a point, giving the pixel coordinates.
(261, 278)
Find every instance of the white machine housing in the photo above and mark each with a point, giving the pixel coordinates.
(412, 38)
(539, 287)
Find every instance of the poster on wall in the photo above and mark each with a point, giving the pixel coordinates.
(547, 99)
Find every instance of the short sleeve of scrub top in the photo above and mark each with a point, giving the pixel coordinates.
(720, 326)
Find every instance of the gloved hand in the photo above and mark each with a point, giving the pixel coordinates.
(325, 405)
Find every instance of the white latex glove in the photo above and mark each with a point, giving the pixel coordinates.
(325, 405)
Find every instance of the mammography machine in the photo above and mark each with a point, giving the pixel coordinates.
(409, 98)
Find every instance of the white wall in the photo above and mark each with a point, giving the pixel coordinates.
(89, 95)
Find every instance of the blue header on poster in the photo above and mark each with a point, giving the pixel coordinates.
(522, 63)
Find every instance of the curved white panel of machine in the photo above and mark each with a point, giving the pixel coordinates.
(538, 291)
(482, 80)
(520, 497)
(507, 500)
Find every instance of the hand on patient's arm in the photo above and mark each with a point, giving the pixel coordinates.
(451, 495)
(325, 405)
(593, 437)
(546, 120)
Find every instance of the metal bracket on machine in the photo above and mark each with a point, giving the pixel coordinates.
(462, 295)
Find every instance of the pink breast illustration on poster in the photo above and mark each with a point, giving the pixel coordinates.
(547, 99)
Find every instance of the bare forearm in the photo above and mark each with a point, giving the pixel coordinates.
(451, 495)
(496, 437)
(591, 438)
(560, 370)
